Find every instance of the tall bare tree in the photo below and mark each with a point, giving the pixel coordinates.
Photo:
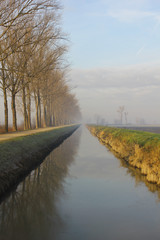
(32, 63)
(120, 111)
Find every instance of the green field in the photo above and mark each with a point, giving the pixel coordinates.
(141, 138)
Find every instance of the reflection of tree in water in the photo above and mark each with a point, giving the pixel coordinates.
(136, 174)
(31, 212)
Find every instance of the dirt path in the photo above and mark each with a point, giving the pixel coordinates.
(7, 136)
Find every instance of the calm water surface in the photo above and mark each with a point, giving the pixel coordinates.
(82, 192)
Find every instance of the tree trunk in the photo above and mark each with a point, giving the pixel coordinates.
(44, 116)
(13, 105)
(53, 119)
(29, 107)
(37, 113)
(39, 107)
(5, 97)
(50, 114)
(5, 109)
(37, 122)
(24, 108)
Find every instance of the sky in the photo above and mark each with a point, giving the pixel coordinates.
(115, 57)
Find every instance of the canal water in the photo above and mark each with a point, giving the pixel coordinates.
(82, 192)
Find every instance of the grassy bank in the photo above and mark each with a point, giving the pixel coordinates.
(140, 149)
(18, 156)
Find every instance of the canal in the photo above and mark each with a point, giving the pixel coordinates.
(82, 192)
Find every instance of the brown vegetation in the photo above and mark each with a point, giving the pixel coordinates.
(139, 149)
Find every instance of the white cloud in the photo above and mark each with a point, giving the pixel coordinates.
(127, 3)
(141, 49)
(129, 15)
(130, 11)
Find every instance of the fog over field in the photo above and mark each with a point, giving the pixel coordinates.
(102, 91)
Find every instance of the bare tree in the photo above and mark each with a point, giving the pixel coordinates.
(120, 111)
(126, 115)
(32, 63)
(15, 15)
(4, 87)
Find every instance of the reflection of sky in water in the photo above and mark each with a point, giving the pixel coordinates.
(83, 194)
(102, 201)
(94, 160)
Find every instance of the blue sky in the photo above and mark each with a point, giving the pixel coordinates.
(112, 32)
(118, 36)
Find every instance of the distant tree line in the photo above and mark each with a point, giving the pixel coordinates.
(32, 66)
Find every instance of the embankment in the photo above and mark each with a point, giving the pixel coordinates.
(18, 156)
(139, 149)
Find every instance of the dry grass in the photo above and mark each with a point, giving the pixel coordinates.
(10, 129)
(11, 135)
(140, 149)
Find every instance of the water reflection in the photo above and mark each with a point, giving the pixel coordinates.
(31, 211)
(140, 178)
(136, 174)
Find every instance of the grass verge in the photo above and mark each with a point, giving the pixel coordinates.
(140, 149)
(20, 155)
